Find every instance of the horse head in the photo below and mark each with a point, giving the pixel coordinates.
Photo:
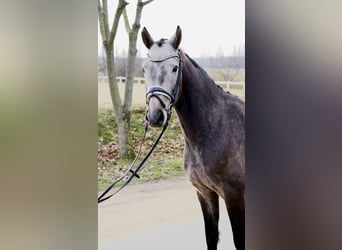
(162, 70)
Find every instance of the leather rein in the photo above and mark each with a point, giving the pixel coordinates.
(153, 91)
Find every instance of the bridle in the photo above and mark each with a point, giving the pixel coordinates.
(157, 91)
(154, 91)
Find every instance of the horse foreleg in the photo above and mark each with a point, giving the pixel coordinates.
(210, 209)
(236, 210)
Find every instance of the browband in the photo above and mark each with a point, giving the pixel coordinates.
(161, 59)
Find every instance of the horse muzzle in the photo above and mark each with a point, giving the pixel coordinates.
(156, 117)
(159, 103)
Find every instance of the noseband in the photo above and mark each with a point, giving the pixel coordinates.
(157, 91)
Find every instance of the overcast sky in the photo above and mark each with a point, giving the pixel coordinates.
(206, 25)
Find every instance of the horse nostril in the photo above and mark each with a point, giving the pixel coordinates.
(160, 118)
(155, 117)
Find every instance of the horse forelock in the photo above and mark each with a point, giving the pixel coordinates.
(161, 49)
(161, 42)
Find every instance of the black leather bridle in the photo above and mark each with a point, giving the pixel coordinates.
(156, 91)
(153, 91)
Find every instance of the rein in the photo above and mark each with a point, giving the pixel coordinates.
(130, 173)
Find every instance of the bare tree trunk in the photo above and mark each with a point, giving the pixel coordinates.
(116, 100)
(108, 44)
(123, 109)
(132, 53)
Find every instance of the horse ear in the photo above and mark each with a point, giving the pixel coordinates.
(176, 38)
(147, 39)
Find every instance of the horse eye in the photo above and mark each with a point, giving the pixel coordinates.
(174, 69)
(143, 70)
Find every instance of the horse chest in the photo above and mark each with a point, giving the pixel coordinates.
(200, 175)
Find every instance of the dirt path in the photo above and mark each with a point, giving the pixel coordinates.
(145, 206)
(165, 208)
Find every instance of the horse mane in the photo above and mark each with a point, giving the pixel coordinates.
(203, 74)
(192, 61)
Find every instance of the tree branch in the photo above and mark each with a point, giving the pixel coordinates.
(121, 6)
(128, 27)
(103, 19)
(132, 52)
(146, 2)
(140, 6)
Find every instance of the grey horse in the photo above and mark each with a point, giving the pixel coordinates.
(213, 124)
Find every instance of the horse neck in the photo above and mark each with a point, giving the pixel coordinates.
(198, 97)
